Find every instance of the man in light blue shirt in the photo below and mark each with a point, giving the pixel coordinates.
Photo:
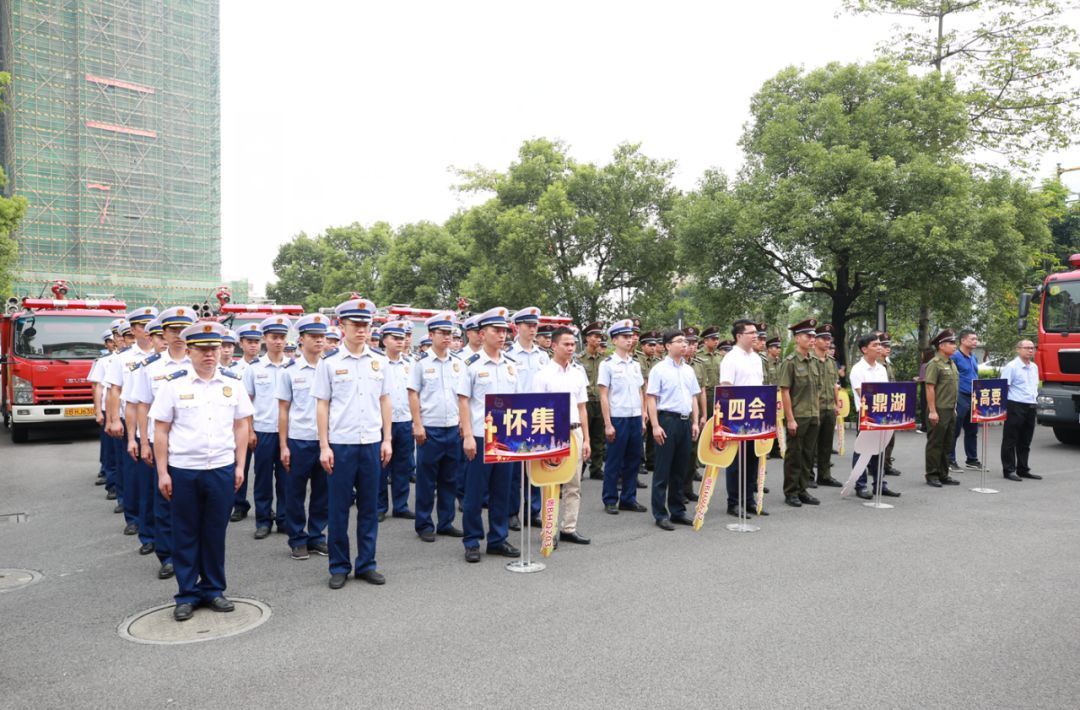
(353, 416)
(490, 371)
(298, 438)
(621, 403)
(1022, 374)
(260, 380)
(397, 473)
(967, 365)
(433, 404)
(529, 358)
(673, 408)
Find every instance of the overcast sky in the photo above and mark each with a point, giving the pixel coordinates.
(334, 112)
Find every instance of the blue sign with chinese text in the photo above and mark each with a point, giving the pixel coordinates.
(988, 399)
(747, 412)
(887, 405)
(523, 427)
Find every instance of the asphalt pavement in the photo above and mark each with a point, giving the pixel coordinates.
(951, 600)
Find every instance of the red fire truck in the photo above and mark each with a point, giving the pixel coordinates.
(47, 346)
(1058, 356)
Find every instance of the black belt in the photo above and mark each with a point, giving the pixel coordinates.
(575, 426)
(673, 414)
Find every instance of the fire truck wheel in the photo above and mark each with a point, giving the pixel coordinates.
(20, 433)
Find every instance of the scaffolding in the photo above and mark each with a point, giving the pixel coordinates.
(113, 137)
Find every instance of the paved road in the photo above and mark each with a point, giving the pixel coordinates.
(953, 599)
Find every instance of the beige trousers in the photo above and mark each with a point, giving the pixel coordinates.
(571, 492)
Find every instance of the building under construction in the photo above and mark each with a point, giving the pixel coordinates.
(112, 135)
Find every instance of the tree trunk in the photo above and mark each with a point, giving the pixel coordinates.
(924, 327)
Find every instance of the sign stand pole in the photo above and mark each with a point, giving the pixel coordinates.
(742, 526)
(526, 565)
(982, 474)
(879, 484)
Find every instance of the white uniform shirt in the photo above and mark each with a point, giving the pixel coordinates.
(742, 368)
(623, 380)
(397, 375)
(436, 383)
(529, 363)
(294, 386)
(121, 369)
(862, 372)
(202, 414)
(484, 376)
(553, 377)
(97, 375)
(353, 384)
(149, 378)
(260, 381)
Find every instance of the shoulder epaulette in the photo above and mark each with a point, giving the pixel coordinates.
(472, 358)
(421, 356)
(328, 353)
(609, 358)
(377, 351)
(153, 358)
(229, 373)
(507, 356)
(454, 355)
(175, 375)
(290, 363)
(254, 362)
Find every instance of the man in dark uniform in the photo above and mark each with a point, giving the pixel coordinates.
(798, 382)
(650, 343)
(828, 391)
(770, 367)
(590, 360)
(942, 390)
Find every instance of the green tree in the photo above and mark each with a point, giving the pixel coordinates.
(1016, 62)
(425, 266)
(12, 210)
(852, 184)
(570, 237)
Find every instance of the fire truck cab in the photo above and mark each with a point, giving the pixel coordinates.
(47, 346)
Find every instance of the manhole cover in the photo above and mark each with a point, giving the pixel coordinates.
(11, 579)
(158, 626)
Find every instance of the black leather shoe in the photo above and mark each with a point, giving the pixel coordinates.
(372, 577)
(451, 532)
(574, 538)
(237, 515)
(697, 475)
(147, 548)
(110, 495)
(536, 522)
(864, 494)
(514, 523)
(762, 514)
(886, 493)
(1032, 476)
(505, 550)
(765, 490)
(812, 484)
(472, 554)
(948, 481)
(890, 471)
(337, 580)
(221, 604)
(319, 548)
(611, 509)
(382, 517)
(596, 476)
(118, 509)
(407, 514)
(692, 497)
(261, 533)
(131, 529)
(664, 524)
(166, 571)
(682, 520)
(935, 483)
(183, 612)
(100, 481)
(1012, 476)
(428, 536)
(641, 483)
(734, 511)
(793, 501)
(830, 483)
(808, 499)
(633, 507)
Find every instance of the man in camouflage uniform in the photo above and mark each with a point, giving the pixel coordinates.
(590, 360)
(798, 382)
(942, 390)
(828, 389)
(650, 344)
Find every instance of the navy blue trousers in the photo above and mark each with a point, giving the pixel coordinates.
(437, 464)
(306, 524)
(201, 502)
(130, 475)
(148, 492)
(396, 474)
(269, 480)
(964, 425)
(119, 447)
(355, 479)
(622, 459)
(491, 481)
(108, 460)
(240, 501)
(749, 483)
(672, 462)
